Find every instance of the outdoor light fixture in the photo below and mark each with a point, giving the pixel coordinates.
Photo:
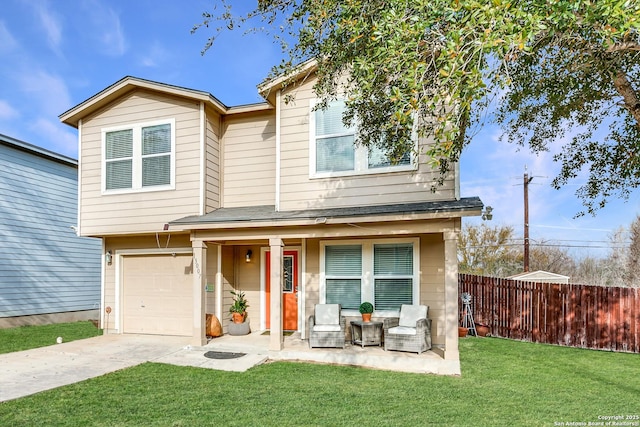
(486, 213)
(247, 257)
(108, 257)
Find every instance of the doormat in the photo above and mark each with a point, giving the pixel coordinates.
(223, 355)
(285, 333)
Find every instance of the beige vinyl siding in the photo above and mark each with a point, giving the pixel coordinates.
(299, 191)
(140, 212)
(432, 283)
(249, 160)
(212, 170)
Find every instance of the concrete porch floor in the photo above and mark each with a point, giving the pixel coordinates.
(256, 345)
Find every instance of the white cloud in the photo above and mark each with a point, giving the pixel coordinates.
(7, 41)
(51, 93)
(7, 112)
(106, 27)
(50, 21)
(155, 57)
(60, 140)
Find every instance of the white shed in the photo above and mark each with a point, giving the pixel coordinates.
(540, 276)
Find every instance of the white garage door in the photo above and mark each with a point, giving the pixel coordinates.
(157, 294)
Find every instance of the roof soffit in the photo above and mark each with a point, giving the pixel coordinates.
(270, 87)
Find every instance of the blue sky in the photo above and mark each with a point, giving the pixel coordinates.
(56, 54)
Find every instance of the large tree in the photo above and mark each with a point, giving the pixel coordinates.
(632, 273)
(489, 251)
(561, 68)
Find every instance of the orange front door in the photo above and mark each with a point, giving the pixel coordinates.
(289, 290)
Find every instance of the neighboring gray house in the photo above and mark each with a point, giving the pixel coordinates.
(47, 273)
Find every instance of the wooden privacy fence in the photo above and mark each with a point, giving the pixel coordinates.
(606, 318)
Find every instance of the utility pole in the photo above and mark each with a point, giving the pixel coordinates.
(527, 180)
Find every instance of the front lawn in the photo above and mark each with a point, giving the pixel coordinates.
(503, 383)
(27, 337)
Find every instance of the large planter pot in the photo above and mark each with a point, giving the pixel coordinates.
(238, 328)
(462, 332)
(482, 330)
(366, 317)
(237, 317)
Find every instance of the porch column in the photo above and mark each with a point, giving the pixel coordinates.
(276, 341)
(199, 282)
(451, 295)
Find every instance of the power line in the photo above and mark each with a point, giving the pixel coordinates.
(519, 239)
(547, 245)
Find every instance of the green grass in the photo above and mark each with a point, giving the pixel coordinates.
(503, 383)
(26, 337)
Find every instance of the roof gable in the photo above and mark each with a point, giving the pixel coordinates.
(128, 84)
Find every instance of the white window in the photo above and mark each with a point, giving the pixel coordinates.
(343, 275)
(383, 272)
(333, 151)
(139, 157)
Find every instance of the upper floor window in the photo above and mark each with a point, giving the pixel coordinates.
(139, 157)
(333, 151)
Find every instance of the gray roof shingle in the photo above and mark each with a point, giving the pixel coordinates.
(268, 213)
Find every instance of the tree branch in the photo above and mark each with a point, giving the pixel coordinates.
(624, 46)
(629, 95)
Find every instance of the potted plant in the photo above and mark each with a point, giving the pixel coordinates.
(239, 306)
(366, 308)
(482, 328)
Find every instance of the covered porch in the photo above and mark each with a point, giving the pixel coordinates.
(245, 249)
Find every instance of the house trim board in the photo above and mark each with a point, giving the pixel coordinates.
(203, 160)
(345, 231)
(302, 288)
(103, 269)
(278, 147)
(221, 153)
(78, 229)
(219, 282)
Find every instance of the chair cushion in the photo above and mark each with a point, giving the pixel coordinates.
(327, 314)
(410, 314)
(326, 328)
(402, 330)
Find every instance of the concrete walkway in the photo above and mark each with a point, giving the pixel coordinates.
(31, 371)
(27, 372)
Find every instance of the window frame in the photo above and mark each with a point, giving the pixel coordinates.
(361, 161)
(367, 289)
(137, 157)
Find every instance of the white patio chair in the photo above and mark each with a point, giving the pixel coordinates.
(327, 326)
(410, 332)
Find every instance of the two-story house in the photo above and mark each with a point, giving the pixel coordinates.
(193, 199)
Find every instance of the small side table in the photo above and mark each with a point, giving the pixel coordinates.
(366, 333)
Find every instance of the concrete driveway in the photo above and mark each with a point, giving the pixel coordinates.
(27, 372)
